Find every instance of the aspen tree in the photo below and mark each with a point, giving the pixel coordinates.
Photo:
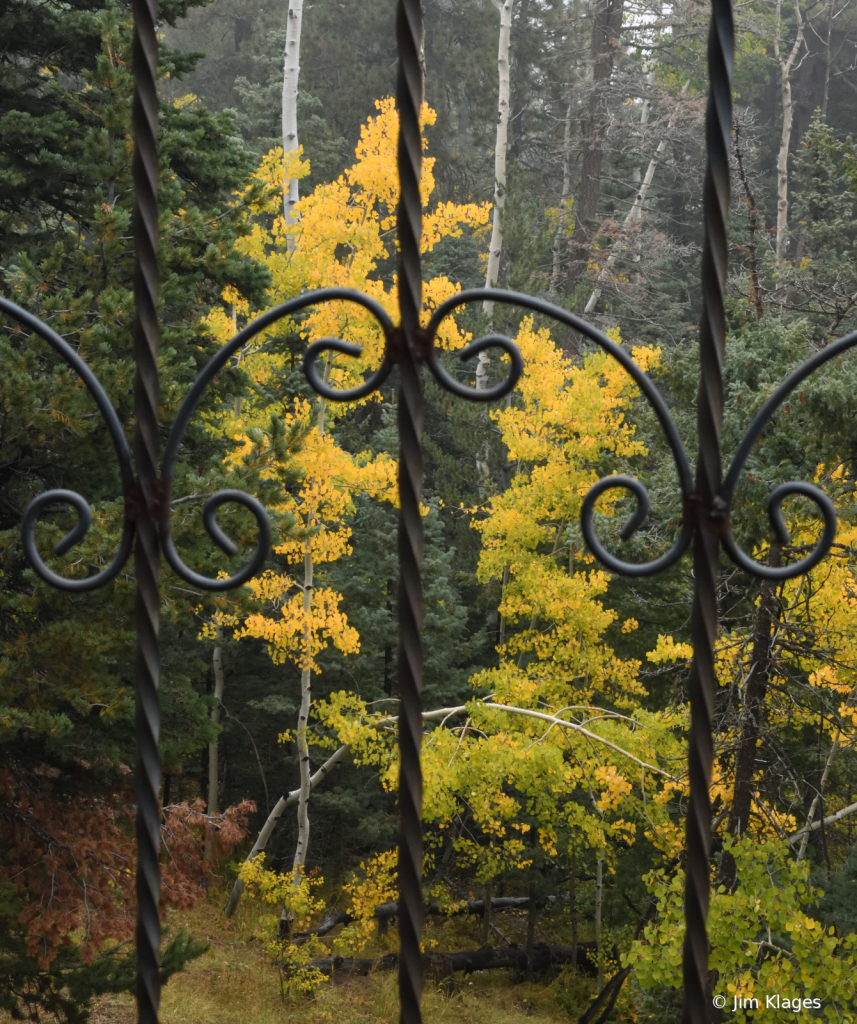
(495, 249)
(350, 215)
(786, 67)
(559, 234)
(635, 214)
(217, 671)
(291, 76)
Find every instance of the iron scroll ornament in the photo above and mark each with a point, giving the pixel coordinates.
(690, 502)
(427, 353)
(430, 355)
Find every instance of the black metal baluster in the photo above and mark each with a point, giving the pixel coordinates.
(146, 504)
(711, 512)
(707, 502)
(409, 98)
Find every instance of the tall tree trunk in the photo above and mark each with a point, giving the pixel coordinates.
(606, 27)
(786, 134)
(572, 896)
(812, 75)
(486, 917)
(531, 931)
(753, 224)
(750, 728)
(599, 902)
(559, 234)
(302, 743)
(217, 668)
(500, 145)
(635, 214)
(267, 829)
(303, 723)
(819, 796)
(301, 738)
(291, 75)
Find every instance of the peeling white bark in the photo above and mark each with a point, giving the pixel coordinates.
(786, 135)
(559, 234)
(303, 722)
(635, 214)
(267, 829)
(505, 8)
(811, 823)
(291, 75)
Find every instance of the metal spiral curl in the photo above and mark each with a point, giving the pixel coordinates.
(820, 499)
(640, 378)
(66, 497)
(248, 501)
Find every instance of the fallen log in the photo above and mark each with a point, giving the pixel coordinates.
(384, 911)
(488, 958)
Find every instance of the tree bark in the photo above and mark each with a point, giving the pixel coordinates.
(267, 829)
(559, 234)
(500, 146)
(755, 690)
(606, 27)
(291, 76)
(810, 818)
(786, 134)
(213, 746)
(572, 892)
(386, 911)
(302, 742)
(812, 78)
(753, 217)
(599, 902)
(635, 214)
(605, 1000)
(531, 932)
(486, 916)
(303, 722)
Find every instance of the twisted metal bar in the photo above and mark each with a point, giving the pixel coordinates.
(711, 509)
(144, 169)
(409, 220)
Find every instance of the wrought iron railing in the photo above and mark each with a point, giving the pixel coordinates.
(147, 480)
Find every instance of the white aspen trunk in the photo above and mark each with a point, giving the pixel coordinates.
(810, 818)
(831, 819)
(599, 899)
(303, 721)
(267, 829)
(291, 75)
(635, 214)
(494, 252)
(305, 787)
(563, 202)
(217, 668)
(785, 137)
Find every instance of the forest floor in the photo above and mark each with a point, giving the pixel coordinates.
(236, 983)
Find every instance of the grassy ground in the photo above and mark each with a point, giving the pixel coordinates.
(235, 983)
